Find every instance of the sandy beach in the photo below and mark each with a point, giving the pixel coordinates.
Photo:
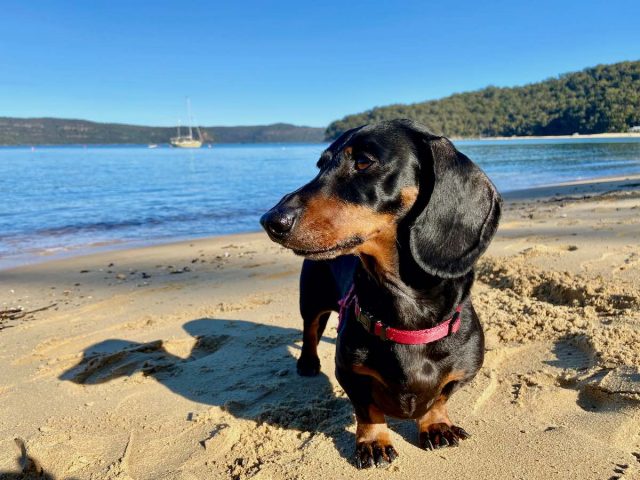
(178, 361)
(608, 135)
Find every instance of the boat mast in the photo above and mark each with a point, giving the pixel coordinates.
(190, 118)
(178, 128)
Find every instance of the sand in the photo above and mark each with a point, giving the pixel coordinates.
(606, 136)
(178, 361)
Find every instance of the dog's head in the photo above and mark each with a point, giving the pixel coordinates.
(379, 179)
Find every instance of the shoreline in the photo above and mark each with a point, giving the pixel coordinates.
(36, 259)
(608, 135)
(593, 186)
(162, 145)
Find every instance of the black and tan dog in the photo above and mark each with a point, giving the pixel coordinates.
(392, 225)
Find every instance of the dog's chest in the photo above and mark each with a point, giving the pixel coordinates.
(407, 397)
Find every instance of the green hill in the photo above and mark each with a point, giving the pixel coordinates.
(56, 131)
(601, 99)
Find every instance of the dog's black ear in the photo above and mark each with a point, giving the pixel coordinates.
(461, 213)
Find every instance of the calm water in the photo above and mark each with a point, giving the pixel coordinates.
(70, 198)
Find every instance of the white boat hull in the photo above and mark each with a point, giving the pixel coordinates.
(186, 143)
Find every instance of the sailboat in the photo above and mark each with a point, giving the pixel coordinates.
(187, 141)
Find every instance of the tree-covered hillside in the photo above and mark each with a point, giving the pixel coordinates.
(56, 131)
(601, 99)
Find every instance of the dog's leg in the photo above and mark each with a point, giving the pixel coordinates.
(436, 430)
(373, 442)
(309, 362)
(318, 297)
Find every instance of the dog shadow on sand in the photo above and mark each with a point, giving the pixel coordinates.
(246, 368)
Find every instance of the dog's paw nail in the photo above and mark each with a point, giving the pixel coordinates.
(379, 456)
(460, 432)
(391, 453)
(374, 454)
(440, 435)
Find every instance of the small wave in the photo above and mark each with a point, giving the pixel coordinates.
(123, 225)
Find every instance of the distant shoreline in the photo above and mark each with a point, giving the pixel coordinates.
(162, 145)
(62, 131)
(558, 137)
(608, 135)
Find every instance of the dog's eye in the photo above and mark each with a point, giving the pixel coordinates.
(362, 163)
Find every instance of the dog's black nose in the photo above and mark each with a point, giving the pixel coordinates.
(278, 222)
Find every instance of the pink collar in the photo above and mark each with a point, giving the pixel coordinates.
(405, 337)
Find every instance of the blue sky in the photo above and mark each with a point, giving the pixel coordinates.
(245, 63)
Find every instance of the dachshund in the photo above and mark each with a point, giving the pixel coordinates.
(390, 229)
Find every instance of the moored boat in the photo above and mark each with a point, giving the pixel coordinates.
(187, 141)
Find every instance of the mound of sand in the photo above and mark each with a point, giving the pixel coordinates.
(521, 303)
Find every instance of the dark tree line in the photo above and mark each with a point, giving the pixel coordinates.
(56, 131)
(601, 99)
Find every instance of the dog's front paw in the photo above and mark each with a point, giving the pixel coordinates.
(438, 435)
(308, 366)
(374, 454)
